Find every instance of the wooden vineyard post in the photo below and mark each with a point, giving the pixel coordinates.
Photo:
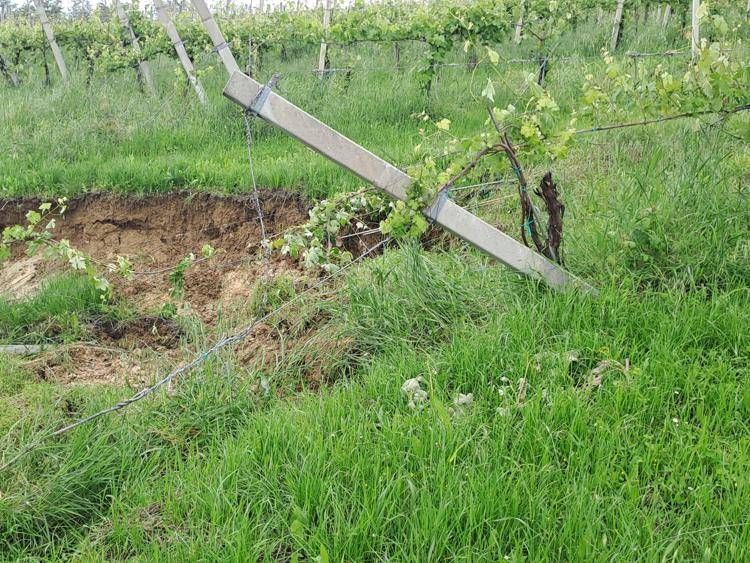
(695, 34)
(617, 27)
(179, 47)
(323, 54)
(51, 40)
(268, 105)
(143, 68)
(217, 38)
(519, 23)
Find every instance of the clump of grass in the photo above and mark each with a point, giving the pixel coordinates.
(269, 293)
(56, 312)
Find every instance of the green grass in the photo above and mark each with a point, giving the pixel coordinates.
(111, 136)
(650, 465)
(57, 311)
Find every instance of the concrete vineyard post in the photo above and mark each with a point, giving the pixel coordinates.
(179, 47)
(250, 58)
(695, 33)
(50, 34)
(323, 54)
(519, 23)
(243, 90)
(217, 38)
(617, 27)
(143, 67)
(667, 13)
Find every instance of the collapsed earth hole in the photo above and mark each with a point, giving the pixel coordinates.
(160, 229)
(156, 233)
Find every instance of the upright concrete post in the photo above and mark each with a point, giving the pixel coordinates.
(695, 34)
(323, 54)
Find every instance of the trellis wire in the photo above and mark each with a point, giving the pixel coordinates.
(198, 360)
(394, 69)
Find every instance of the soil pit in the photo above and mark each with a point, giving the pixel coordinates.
(155, 233)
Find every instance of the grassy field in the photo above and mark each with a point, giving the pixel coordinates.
(648, 463)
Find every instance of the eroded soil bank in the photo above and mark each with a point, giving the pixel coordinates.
(155, 233)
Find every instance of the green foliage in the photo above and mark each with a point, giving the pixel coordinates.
(59, 311)
(316, 243)
(270, 293)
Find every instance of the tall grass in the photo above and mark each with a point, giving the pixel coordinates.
(58, 310)
(109, 135)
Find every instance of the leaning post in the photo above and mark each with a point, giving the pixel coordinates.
(266, 104)
(143, 67)
(617, 27)
(275, 109)
(217, 37)
(179, 47)
(47, 26)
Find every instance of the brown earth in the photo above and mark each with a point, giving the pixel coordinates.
(155, 233)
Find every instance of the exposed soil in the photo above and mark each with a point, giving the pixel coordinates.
(141, 332)
(155, 233)
(161, 228)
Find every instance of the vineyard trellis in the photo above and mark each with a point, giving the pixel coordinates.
(439, 27)
(259, 100)
(477, 24)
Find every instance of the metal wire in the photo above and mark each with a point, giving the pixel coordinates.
(198, 360)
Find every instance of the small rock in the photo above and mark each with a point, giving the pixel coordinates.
(417, 396)
(418, 399)
(412, 385)
(464, 400)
